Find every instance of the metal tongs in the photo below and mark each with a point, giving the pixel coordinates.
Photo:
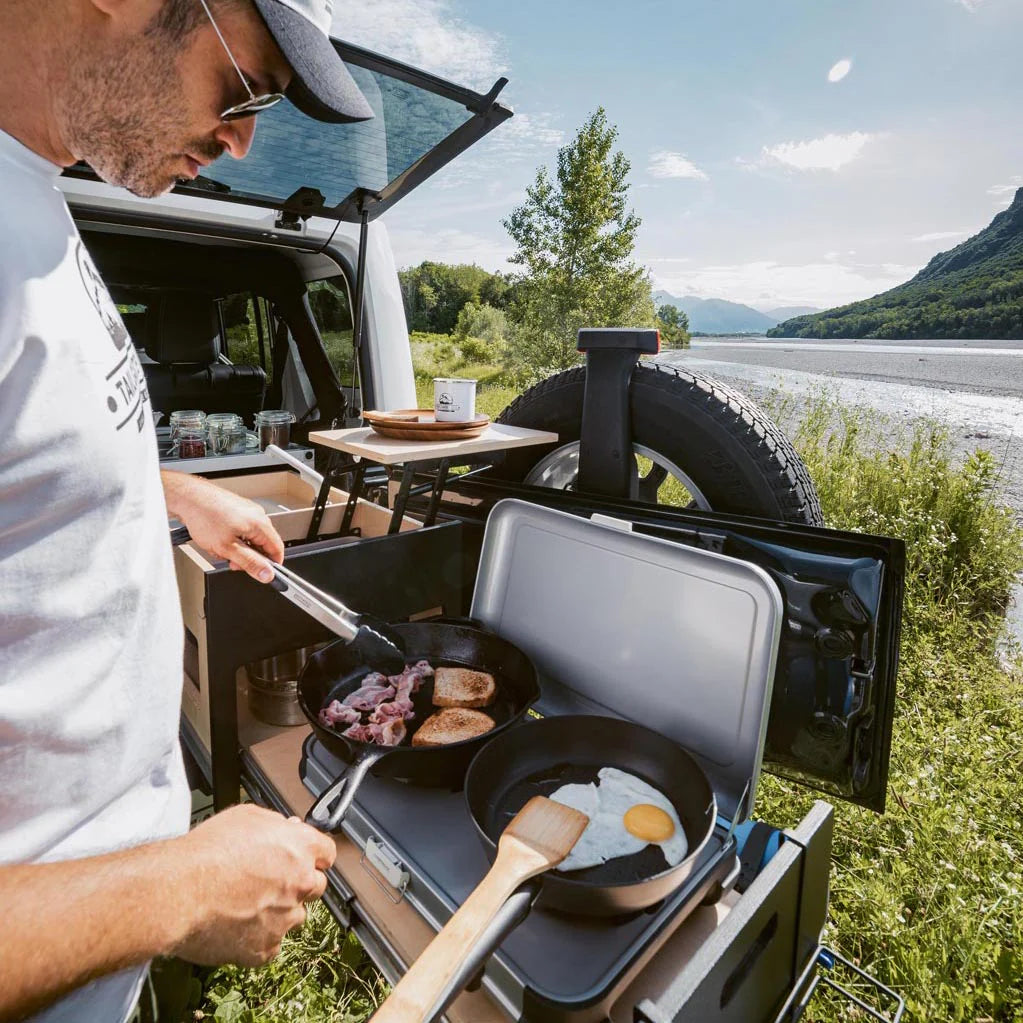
(377, 645)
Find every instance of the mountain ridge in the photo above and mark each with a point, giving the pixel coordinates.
(974, 290)
(717, 315)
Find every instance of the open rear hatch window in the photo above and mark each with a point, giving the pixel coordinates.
(309, 168)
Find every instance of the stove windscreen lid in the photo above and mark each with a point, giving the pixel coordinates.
(681, 640)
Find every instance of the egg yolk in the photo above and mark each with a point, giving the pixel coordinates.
(649, 823)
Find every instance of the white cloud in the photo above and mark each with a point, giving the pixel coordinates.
(939, 236)
(427, 34)
(840, 70)
(665, 164)
(821, 284)
(830, 152)
(970, 5)
(533, 128)
(1007, 189)
(449, 245)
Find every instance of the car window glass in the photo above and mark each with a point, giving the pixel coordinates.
(332, 311)
(290, 151)
(247, 331)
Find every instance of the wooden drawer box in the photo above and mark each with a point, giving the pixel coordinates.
(254, 622)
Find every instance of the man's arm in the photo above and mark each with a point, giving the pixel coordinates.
(226, 525)
(226, 892)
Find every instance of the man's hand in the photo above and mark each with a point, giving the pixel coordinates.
(226, 525)
(226, 892)
(253, 872)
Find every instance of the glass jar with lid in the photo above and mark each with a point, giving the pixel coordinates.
(191, 442)
(191, 419)
(226, 433)
(274, 427)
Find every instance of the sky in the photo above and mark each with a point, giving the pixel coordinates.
(784, 152)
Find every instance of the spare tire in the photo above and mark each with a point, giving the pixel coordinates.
(717, 443)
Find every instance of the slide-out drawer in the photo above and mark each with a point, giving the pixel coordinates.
(745, 969)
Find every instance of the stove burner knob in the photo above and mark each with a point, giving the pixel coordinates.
(837, 643)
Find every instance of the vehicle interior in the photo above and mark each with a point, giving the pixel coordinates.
(233, 328)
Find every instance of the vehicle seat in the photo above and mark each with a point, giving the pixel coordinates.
(182, 337)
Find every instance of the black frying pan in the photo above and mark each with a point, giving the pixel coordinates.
(540, 756)
(337, 670)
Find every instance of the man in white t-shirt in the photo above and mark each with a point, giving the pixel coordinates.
(98, 873)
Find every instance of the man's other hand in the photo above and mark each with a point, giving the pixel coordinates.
(252, 872)
(226, 525)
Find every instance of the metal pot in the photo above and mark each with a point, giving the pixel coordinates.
(273, 687)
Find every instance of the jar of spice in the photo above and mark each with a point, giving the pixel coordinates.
(191, 419)
(225, 433)
(274, 427)
(191, 442)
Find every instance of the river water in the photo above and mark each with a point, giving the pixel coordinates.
(973, 388)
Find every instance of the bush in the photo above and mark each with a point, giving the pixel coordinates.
(475, 349)
(483, 322)
(928, 897)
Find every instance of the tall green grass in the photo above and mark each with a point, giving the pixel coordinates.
(927, 897)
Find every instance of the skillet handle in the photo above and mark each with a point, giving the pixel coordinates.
(326, 815)
(428, 980)
(515, 910)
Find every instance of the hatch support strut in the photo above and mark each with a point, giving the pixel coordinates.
(360, 280)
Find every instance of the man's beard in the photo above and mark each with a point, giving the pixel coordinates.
(127, 116)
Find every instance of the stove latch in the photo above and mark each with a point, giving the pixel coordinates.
(386, 866)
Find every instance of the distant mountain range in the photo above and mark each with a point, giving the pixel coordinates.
(972, 291)
(717, 316)
(786, 312)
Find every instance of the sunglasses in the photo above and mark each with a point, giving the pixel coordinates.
(254, 104)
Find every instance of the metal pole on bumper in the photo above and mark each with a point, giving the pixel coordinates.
(606, 465)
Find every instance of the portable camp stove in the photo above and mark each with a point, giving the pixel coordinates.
(421, 846)
(544, 578)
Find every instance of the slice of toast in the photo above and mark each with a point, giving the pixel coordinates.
(453, 724)
(463, 687)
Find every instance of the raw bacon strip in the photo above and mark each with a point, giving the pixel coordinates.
(384, 703)
(390, 734)
(413, 676)
(359, 733)
(401, 707)
(336, 713)
(369, 697)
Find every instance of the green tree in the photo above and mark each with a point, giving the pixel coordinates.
(482, 321)
(673, 324)
(435, 293)
(575, 237)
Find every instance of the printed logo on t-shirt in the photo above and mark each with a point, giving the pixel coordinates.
(127, 394)
(101, 299)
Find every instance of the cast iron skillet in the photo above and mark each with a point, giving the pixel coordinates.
(334, 672)
(540, 756)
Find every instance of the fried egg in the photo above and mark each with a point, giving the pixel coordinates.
(626, 815)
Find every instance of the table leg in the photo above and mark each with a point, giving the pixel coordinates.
(401, 501)
(353, 498)
(438, 490)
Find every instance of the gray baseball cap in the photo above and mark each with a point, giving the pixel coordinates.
(322, 86)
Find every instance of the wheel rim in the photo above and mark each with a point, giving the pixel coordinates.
(560, 469)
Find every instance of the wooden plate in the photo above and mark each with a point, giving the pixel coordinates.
(402, 426)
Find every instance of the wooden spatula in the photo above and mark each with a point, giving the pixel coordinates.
(540, 837)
